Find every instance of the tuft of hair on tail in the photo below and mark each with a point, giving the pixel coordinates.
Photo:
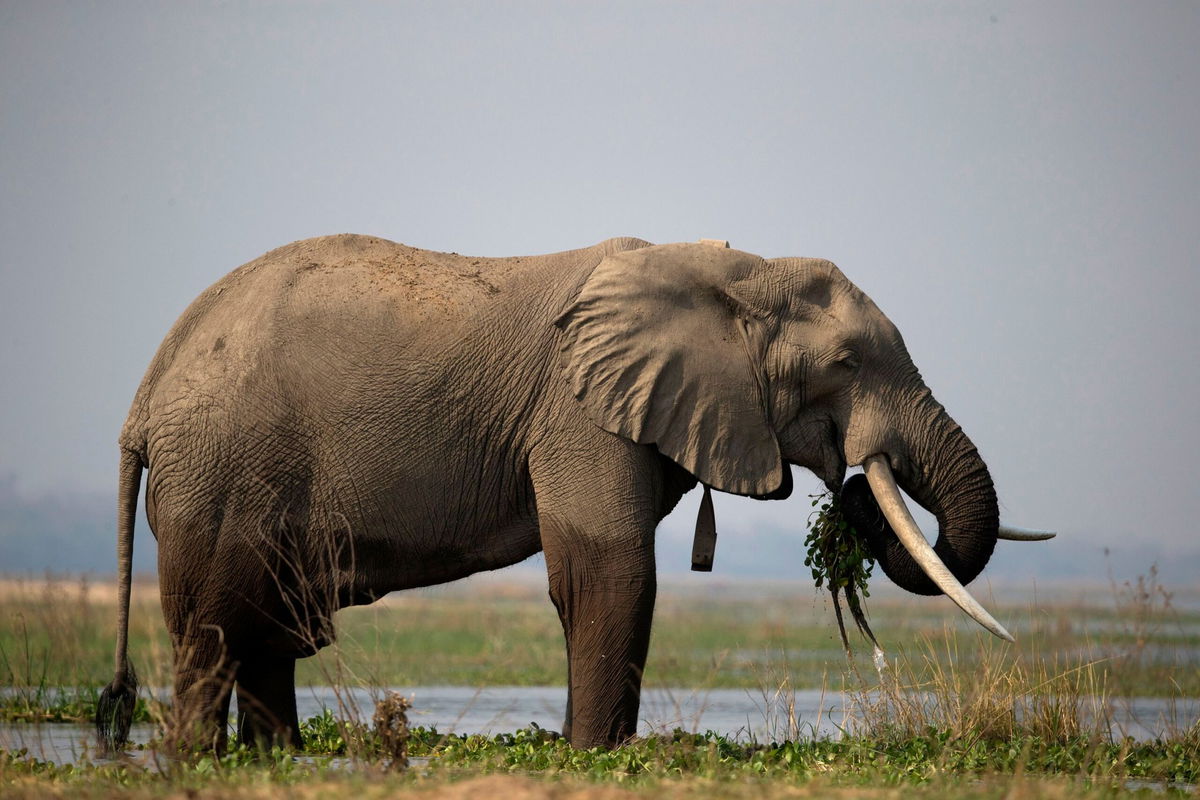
(114, 712)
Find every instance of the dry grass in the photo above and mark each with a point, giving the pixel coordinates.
(999, 693)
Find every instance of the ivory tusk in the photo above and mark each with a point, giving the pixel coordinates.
(887, 494)
(1014, 534)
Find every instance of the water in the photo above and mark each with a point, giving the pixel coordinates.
(739, 713)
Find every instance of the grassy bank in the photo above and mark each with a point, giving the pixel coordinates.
(1136, 641)
(528, 763)
(955, 713)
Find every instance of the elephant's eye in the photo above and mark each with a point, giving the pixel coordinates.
(848, 361)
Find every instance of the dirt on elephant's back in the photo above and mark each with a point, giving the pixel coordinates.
(420, 284)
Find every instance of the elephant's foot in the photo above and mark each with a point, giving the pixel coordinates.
(197, 722)
(266, 695)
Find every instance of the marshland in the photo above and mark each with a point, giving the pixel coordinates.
(748, 691)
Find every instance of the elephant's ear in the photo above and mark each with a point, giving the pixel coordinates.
(658, 349)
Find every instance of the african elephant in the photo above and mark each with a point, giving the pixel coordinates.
(347, 416)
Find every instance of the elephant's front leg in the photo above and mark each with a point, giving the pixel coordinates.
(597, 509)
(603, 585)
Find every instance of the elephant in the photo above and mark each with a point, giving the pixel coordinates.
(347, 416)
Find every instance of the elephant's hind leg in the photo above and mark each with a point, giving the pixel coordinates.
(203, 680)
(266, 698)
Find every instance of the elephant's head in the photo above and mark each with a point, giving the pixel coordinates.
(736, 366)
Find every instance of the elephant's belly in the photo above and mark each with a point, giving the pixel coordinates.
(427, 560)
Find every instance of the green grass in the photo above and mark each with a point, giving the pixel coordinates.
(64, 704)
(892, 759)
(929, 765)
(909, 760)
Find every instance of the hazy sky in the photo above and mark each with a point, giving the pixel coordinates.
(1016, 185)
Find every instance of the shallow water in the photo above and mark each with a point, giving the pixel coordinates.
(738, 713)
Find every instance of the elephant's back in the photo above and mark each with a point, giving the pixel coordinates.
(331, 291)
(318, 308)
(362, 275)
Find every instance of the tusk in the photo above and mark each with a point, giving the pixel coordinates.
(1015, 534)
(883, 486)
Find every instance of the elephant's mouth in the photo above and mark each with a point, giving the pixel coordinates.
(819, 441)
(831, 474)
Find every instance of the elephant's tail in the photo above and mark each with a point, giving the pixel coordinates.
(114, 709)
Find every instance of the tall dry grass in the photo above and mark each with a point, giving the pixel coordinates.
(994, 693)
(971, 687)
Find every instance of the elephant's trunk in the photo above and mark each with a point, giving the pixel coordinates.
(946, 475)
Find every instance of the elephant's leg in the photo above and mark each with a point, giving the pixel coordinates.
(203, 683)
(566, 726)
(266, 695)
(604, 593)
(597, 509)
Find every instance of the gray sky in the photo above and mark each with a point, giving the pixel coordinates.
(1016, 185)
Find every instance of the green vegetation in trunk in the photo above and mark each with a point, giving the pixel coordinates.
(841, 562)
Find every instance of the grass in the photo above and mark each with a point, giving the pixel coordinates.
(850, 759)
(61, 634)
(955, 713)
(930, 765)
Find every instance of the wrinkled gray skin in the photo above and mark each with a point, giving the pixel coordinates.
(347, 416)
